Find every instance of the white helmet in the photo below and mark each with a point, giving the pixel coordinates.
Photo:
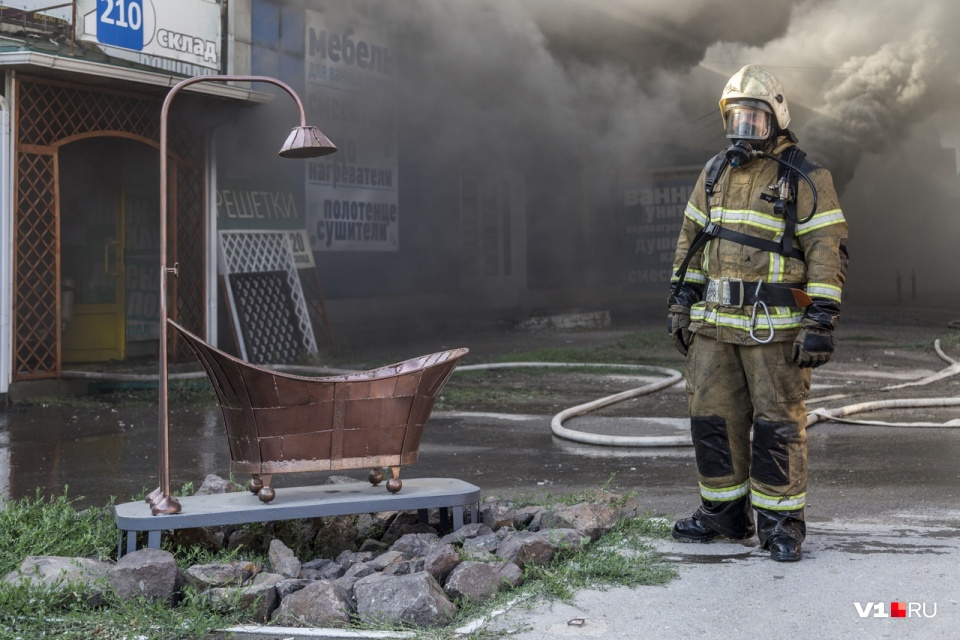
(754, 88)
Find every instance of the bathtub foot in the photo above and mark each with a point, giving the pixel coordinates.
(260, 487)
(394, 484)
(264, 491)
(376, 476)
(154, 496)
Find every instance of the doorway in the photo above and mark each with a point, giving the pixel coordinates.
(492, 235)
(109, 249)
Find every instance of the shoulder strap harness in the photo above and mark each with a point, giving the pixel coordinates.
(785, 205)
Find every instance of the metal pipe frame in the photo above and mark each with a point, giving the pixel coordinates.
(161, 501)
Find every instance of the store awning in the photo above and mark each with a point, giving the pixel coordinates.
(76, 69)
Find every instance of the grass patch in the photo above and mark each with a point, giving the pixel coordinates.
(181, 393)
(537, 372)
(534, 389)
(51, 526)
(867, 340)
(642, 347)
(39, 613)
(951, 341)
(454, 397)
(623, 557)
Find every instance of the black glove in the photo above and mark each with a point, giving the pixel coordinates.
(678, 325)
(814, 344)
(678, 320)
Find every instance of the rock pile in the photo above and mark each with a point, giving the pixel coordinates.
(408, 574)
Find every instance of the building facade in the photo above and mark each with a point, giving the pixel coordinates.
(79, 190)
(441, 206)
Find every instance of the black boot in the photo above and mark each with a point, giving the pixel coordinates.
(782, 533)
(732, 519)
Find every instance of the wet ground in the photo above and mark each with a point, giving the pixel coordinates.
(854, 470)
(883, 505)
(503, 443)
(883, 501)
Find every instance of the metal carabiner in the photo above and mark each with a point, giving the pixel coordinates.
(753, 317)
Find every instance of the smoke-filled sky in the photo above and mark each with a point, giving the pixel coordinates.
(871, 70)
(602, 79)
(623, 86)
(563, 78)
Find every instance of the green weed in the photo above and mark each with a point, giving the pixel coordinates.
(51, 526)
(39, 613)
(633, 348)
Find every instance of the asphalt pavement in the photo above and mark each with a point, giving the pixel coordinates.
(853, 573)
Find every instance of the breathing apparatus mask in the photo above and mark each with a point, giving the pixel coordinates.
(754, 112)
(750, 127)
(740, 153)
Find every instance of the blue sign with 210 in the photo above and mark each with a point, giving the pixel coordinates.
(120, 23)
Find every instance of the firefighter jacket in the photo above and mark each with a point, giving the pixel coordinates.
(743, 201)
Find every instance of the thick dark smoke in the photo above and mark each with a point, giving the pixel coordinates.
(572, 91)
(877, 100)
(871, 70)
(523, 84)
(603, 82)
(649, 37)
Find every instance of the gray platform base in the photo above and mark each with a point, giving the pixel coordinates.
(292, 503)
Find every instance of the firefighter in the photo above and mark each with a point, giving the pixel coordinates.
(759, 267)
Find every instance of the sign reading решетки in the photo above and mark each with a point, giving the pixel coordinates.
(184, 30)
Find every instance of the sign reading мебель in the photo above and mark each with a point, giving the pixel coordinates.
(183, 30)
(652, 214)
(242, 205)
(352, 195)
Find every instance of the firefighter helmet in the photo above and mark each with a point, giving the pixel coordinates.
(753, 86)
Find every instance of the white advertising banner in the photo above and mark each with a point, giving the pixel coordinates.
(184, 30)
(351, 196)
(651, 217)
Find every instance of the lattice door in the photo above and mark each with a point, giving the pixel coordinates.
(50, 114)
(270, 314)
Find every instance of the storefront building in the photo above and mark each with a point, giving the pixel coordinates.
(407, 227)
(80, 122)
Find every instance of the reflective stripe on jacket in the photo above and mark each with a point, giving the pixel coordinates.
(736, 205)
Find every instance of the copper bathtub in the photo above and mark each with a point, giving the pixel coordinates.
(282, 423)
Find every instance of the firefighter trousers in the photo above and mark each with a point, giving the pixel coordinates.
(733, 390)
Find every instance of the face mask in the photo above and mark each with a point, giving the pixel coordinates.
(748, 123)
(740, 153)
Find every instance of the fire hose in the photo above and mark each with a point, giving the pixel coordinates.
(556, 425)
(673, 377)
(818, 415)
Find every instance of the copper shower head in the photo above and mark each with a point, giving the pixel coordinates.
(306, 142)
